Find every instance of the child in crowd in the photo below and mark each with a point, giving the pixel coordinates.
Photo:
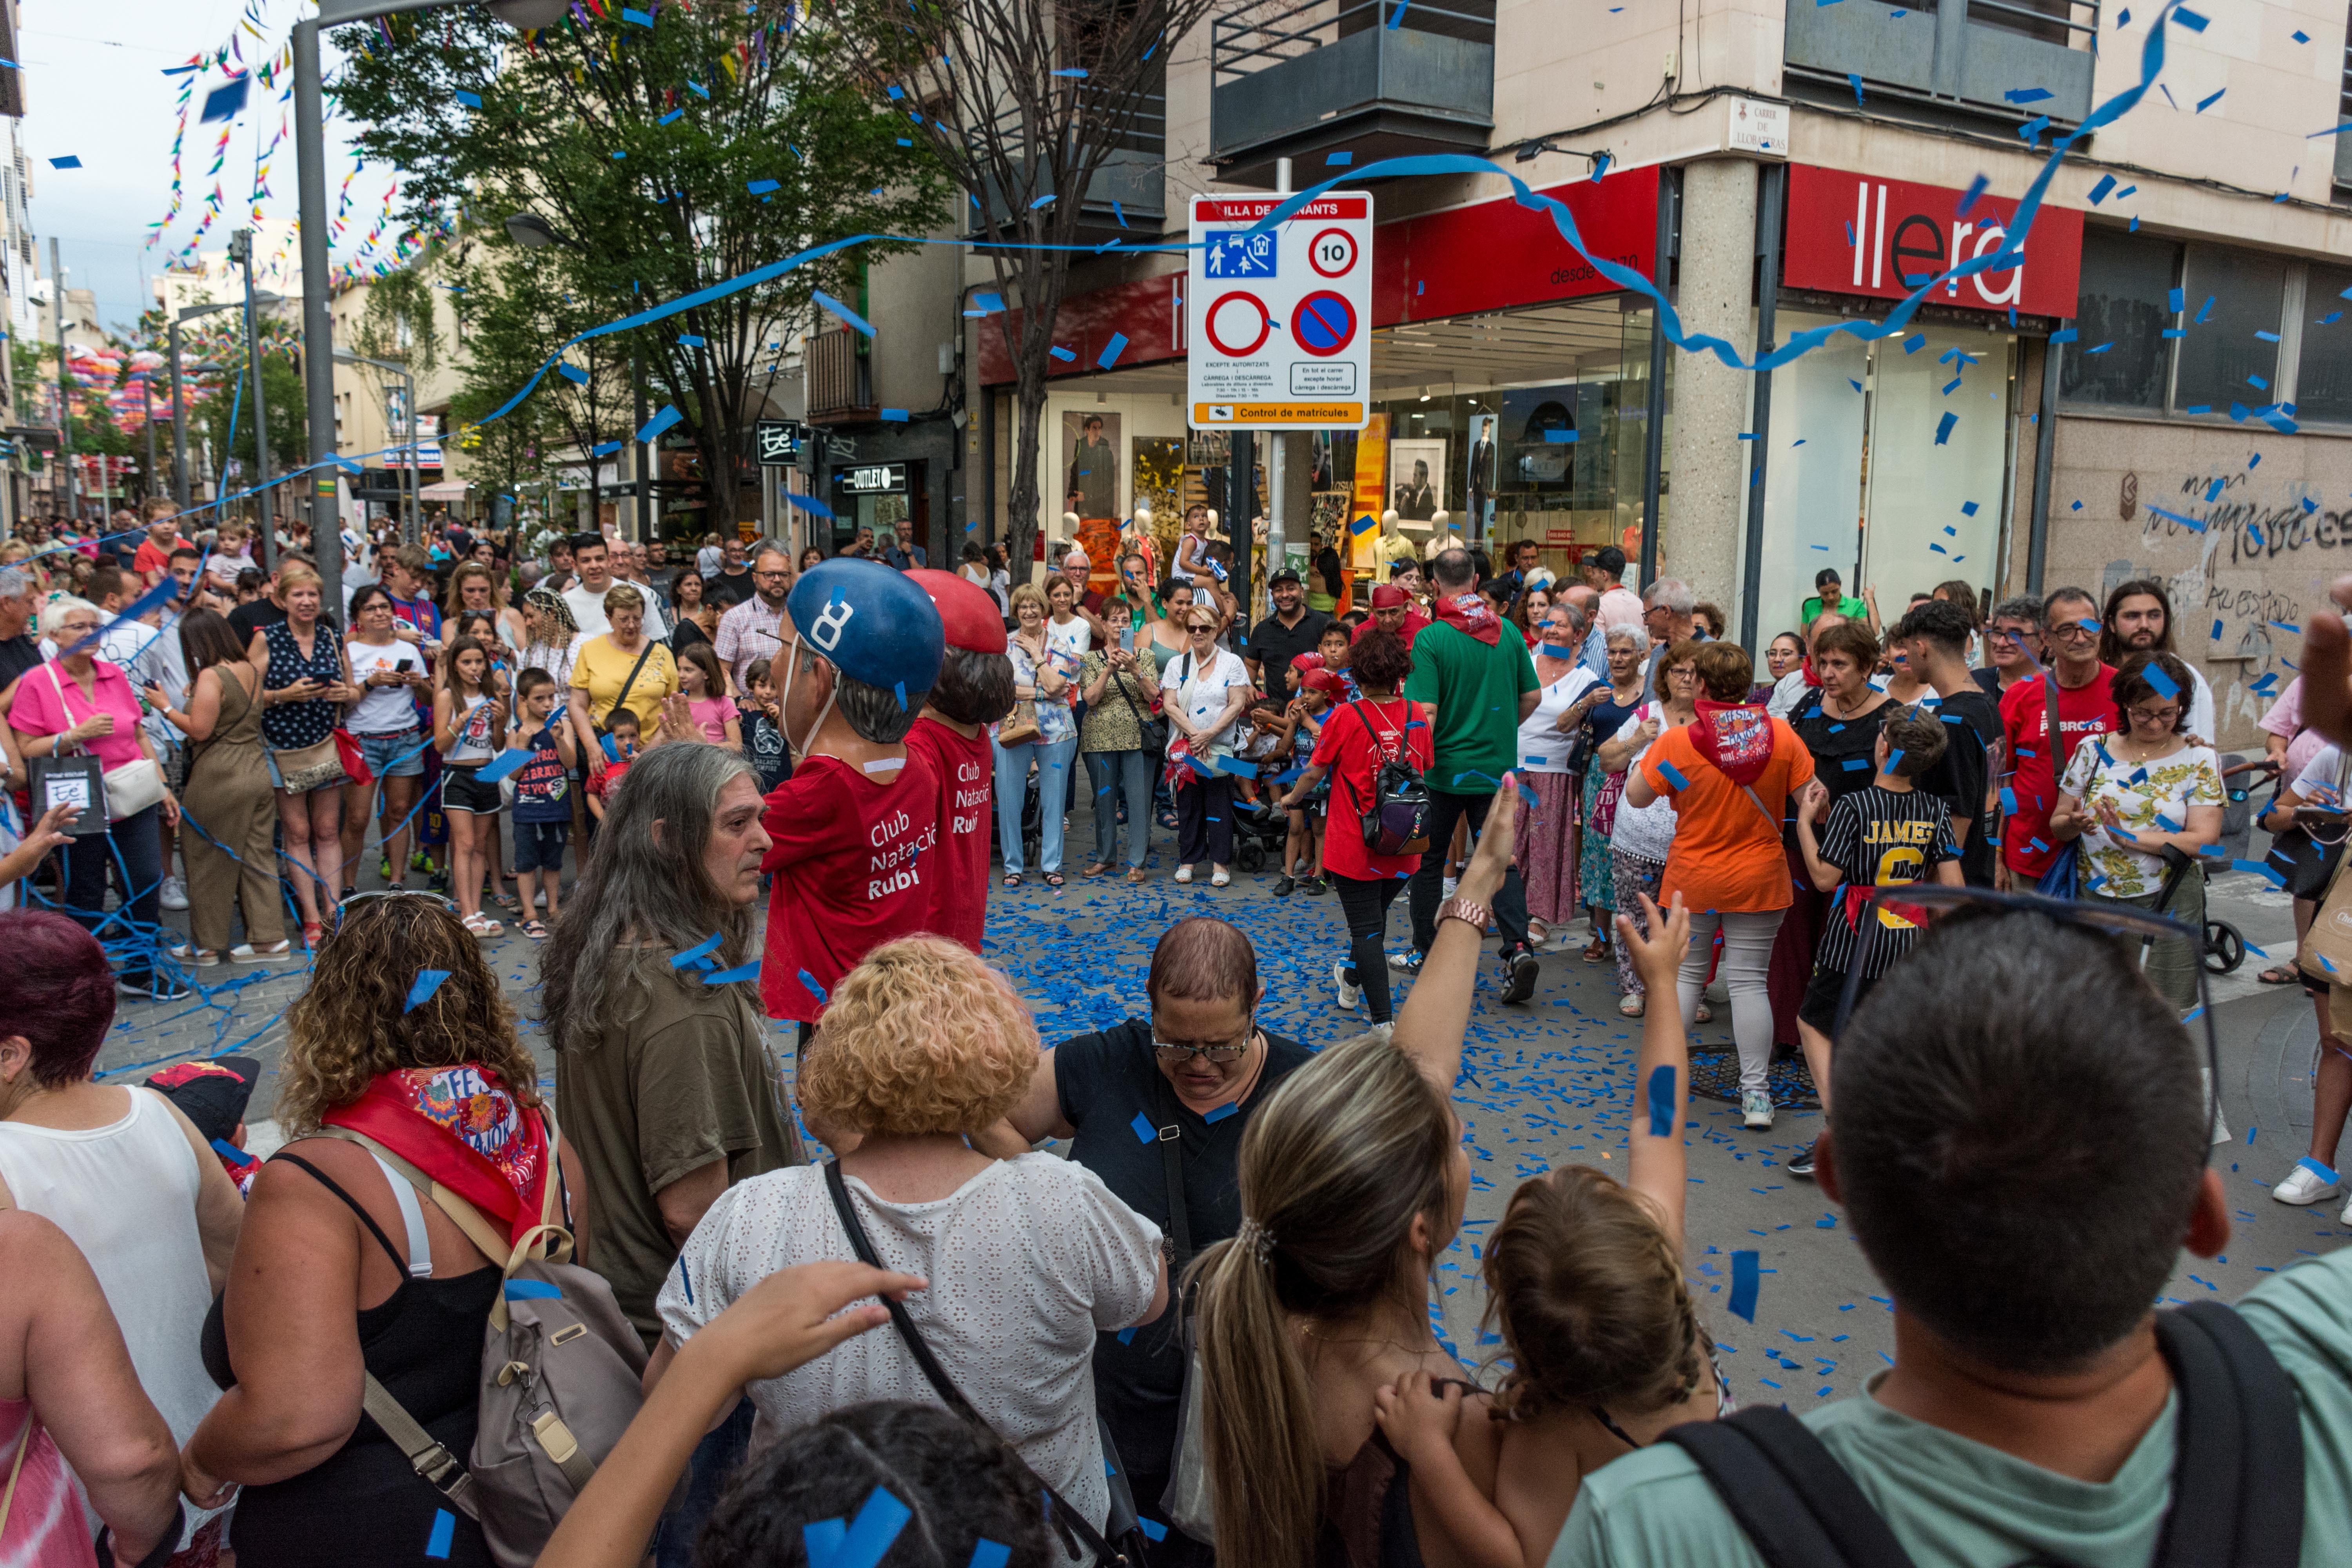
(620, 751)
(542, 808)
(1585, 1283)
(213, 1095)
(1889, 832)
(469, 715)
(1336, 649)
(761, 725)
(1300, 725)
(700, 710)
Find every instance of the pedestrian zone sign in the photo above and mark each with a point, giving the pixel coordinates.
(1278, 325)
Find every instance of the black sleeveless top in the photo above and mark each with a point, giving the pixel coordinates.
(365, 1505)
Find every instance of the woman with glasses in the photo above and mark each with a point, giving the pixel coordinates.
(1199, 1065)
(75, 702)
(1043, 677)
(1781, 654)
(1203, 694)
(341, 1273)
(1643, 835)
(2129, 797)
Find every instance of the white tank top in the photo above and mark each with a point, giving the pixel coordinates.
(126, 1194)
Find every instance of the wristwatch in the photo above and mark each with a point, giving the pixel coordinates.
(1468, 910)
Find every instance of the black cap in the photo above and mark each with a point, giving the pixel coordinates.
(1285, 576)
(212, 1094)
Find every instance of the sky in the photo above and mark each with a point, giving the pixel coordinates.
(94, 90)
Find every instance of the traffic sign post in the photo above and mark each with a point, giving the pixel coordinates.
(1279, 323)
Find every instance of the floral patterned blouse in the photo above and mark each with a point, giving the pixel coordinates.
(2155, 798)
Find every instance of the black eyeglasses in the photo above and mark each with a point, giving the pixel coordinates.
(1923, 903)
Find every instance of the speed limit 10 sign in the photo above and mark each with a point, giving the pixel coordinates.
(1278, 325)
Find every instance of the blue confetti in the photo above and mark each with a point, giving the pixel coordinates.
(986, 1553)
(748, 972)
(1967, 198)
(1145, 1133)
(809, 985)
(660, 422)
(1944, 427)
(1112, 350)
(1746, 1279)
(1662, 1100)
(828, 302)
(445, 1534)
(706, 945)
(427, 982)
(1218, 1114)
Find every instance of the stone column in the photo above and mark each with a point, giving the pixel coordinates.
(1707, 503)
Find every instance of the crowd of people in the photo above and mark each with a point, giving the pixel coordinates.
(1199, 1328)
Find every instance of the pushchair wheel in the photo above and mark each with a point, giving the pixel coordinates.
(2224, 948)
(1250, 858)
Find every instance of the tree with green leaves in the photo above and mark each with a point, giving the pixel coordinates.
(1034, 108)
(674, 156)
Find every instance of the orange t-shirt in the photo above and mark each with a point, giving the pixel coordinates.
(1727, 855)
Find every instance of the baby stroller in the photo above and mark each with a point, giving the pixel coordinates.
(1260, 830)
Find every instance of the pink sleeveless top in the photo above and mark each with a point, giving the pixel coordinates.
(44, 1527)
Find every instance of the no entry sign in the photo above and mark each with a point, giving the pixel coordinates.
(1280, 321)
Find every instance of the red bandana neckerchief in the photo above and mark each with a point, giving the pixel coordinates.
(1737, 737)
(1470, 615)
(461, 1127)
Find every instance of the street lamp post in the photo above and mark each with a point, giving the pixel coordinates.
(408, 470)
(310, 182)
(64, 404)
(179, 407)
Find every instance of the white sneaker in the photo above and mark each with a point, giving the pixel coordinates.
(1756, 1110)
(2305, 1186)
(1451, 883)
(1350, 996)
(174, 895)
(1385, 1033)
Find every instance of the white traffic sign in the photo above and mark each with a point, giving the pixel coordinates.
(1279, 323)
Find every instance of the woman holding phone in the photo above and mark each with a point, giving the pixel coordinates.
(388, 671)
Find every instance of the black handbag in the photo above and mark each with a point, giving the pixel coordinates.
(1153, 728)
(2306, 854)
(1121, 1524)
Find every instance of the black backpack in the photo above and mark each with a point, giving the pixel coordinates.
(2237, 1484)
(1395, 820)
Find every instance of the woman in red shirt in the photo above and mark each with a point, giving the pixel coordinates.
(1357, 737)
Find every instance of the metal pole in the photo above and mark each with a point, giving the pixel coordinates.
(411, 523)
(240, 247)
(64, 407)
(179, 428)
(318, 322)
(2045, 446)
(1241, 500)
(147, 405)
(643, 515)
(1654, 436)
(1767, 301)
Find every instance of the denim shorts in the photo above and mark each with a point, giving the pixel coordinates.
(380, 751)
(539, 846)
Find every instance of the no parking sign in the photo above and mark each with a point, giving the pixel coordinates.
(1279, 323)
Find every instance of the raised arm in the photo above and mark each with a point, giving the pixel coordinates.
(1430, 1028)
(1661, 1170)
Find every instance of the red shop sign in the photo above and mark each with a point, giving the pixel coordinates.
(1851, 233)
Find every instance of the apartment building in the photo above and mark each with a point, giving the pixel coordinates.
(2163, 387)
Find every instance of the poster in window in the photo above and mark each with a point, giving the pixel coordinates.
(1417, 478)
(1090, 484)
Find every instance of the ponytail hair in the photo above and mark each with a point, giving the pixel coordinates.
(1334, 1167)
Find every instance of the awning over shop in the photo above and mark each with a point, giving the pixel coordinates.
(447, 490)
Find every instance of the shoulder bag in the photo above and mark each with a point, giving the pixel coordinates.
(2237, 1481)
(1153, 729)
(107, 795)
(2307, 854)
(627, 686)
(1074, 1528)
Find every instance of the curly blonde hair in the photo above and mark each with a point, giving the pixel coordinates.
(353, 1022)
(920, 1038)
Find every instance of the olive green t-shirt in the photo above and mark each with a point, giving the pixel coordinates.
(1955, 1503)
(684, 1077)
(1476, 690)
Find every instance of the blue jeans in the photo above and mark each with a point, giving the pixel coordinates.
(723, 1449)
(1013, 787)
(1119, 776)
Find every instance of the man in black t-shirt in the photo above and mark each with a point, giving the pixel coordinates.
(1124, 1098)
(1291, 630)
(732, 583)
(1933, 636)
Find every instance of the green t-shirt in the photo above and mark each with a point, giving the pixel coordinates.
(1476, 690)
(1849, 607)
(1955, 1503)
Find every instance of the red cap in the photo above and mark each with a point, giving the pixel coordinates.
(1389, 596)
(1324, 681)
(967, 612)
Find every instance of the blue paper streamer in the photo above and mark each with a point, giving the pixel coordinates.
(502, 765)
(750, 972)
(706, 945)
(1746, 1279)
(421, 991)
(1662, 1100)
(445, 1534)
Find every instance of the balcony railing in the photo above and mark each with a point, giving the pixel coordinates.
(840, 379)
(1127, 196)
(1378, 79)
(1973, 55)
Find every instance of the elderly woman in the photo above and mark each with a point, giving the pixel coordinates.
(1600, 712)
(1044, 676)
(622, 669)
(389, 669)
(78, 701)
(1031, 1258)
(1546, 851)
(341, 1272)
(1204, 695)
(1643, 835)
(119, 1169)
(306, 680)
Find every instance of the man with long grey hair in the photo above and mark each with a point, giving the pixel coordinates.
(665, 1087)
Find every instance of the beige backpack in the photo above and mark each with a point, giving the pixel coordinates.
(562, 1379)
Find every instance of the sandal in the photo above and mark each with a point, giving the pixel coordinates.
(314, 933)
(1705, 1014)
(2280, 974)
(1012, 878)
(1054, 881)
(1631, 1007)
(1597, 951)
(482, 925)
(535, 930)
(508, 902)
(1220, 878)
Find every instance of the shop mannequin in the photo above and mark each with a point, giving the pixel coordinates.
(1389, 548)
(1441, 536)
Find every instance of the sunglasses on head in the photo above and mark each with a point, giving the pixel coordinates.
(1925, 903)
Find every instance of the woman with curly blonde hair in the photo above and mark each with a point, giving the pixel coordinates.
(402, 1036)
(921, 1046)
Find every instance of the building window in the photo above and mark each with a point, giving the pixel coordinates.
(2126, 303)
(2323, 382)
(2229, 352)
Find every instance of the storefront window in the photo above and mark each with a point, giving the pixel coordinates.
(1880, 489)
